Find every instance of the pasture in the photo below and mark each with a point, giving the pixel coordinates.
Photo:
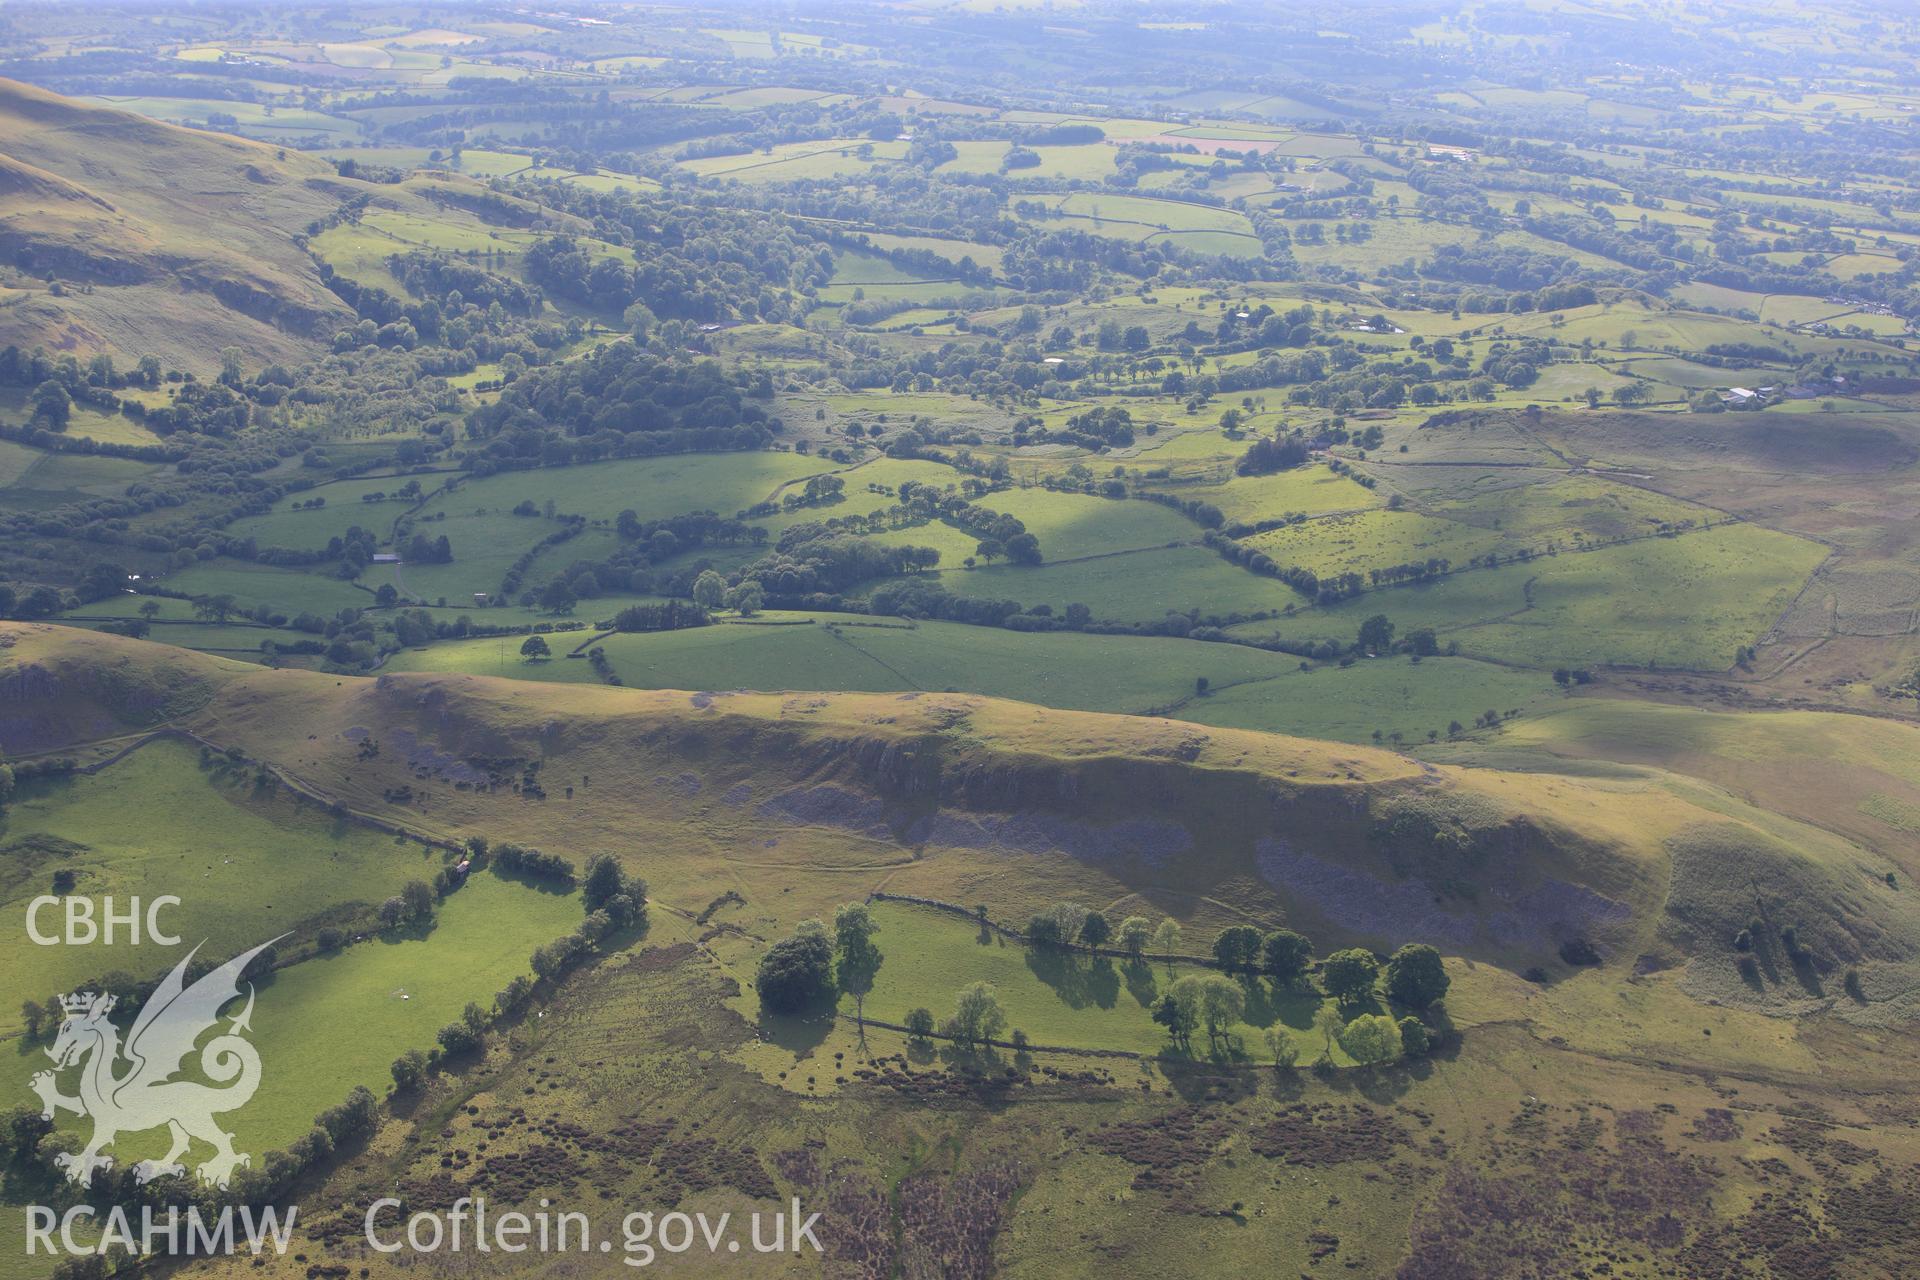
(1129, 586)
(1060, 999)
(394, 990)
(486, 541)
(1074, 525)
(653, 488)
(295, 523)
(1571, 507)
(253, 585)
(40, 480)
(1310, 491)
(791, 161)
(246, 863)
(233, 639)
(1396, 700)
(1245, 687)
(85, 422)
(1687, 601)
(1377, 539)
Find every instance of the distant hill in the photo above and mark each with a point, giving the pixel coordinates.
(160, 240)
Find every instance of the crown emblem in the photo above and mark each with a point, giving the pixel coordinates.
(81, 1001)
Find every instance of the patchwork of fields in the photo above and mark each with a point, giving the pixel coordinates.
(1538, 569)
(710, 579)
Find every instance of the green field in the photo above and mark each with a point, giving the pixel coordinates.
(395, 991)
(1135, 586)
(311, 528)
(1062, 1000)
(258, 118)
(1688, 601)
(35, 481)
(1246, 687)
(872, 486)
(86, 422)
(251, 585)
(1070, 525)
(1565, 509)
(1308, 491)
(1401, 701)
(653, 488)
(1372, 540)
(792, 161)
(485, 544)
(245, 864)
(229, 638)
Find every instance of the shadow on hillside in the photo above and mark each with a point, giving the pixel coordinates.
(411, 931)
(1269, 1004)
(1381, 1085)
(539, 884)
(1808, 976)
(1199, 1081)
(1141, 984)
(984, 1060)
(1081, 981)
(800, 1033)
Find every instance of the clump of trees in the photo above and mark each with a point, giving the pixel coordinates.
(1371, 1038)
(1210, 1001)
(796, 973)
(671, 615)
(805, 970)
(610, 888)
(1413, 978)
(530, 862)
(412, 905)
(1270, 454)
(1058, 926)
(1286, 956)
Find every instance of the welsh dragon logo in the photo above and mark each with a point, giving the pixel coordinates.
(132, 1087)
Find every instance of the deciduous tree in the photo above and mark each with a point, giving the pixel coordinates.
(857, 957)
(977, 1015)
(1415, 976)
(1237, 948)
(1371, 1038)
(1285, 955)
(1166, 940)
(1349, 975)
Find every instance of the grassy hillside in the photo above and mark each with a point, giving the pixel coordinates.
(55, 693)
(1246, 688)
(135, 237)
(971, 799)
(146, 214)
(794, 803)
